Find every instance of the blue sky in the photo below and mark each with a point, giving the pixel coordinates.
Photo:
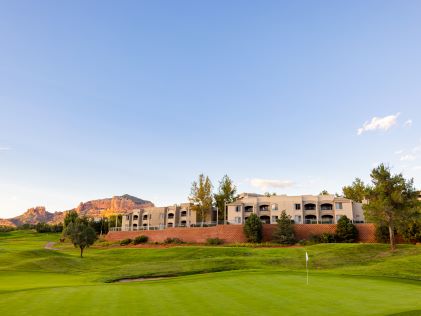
(102, 98)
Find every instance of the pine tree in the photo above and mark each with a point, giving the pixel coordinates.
(284, 232)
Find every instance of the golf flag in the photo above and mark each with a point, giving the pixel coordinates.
(307, 266)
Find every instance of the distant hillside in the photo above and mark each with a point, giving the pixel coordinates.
(95, 208)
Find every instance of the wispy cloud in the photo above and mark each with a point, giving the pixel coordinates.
(5, 148)
(408, 158)
(270, 183)
(379, 123)
(399, 152)
(416, 168)
(408, 123)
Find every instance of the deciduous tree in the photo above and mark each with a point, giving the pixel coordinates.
(201, 197)
(226, 194)
(81, 234)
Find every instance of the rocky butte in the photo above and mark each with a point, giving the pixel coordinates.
(95, 208)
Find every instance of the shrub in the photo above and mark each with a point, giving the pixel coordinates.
(346, 231)
(214, 241)
(125, 242)
(382, 233)
(175, 240)
(327, 238)
(412, 231)
(253, 229)
(140, 240)
(284, 233)
(6, 229)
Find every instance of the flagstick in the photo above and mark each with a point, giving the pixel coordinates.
(307, 271)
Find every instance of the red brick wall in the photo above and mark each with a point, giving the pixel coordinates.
(234, 233)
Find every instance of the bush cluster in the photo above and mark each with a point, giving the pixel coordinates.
(49, 228)
(5, 229)
(140, 240)
(125, 242)
(214, 241)
(174, 240)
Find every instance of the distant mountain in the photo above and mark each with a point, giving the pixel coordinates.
(95, 208)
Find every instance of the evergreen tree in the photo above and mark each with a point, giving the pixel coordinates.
(284, 232)
(346, 230)
(356, 191)
(253, 229)
(392, 201)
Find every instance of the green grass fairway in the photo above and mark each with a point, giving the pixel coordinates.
(353, 279)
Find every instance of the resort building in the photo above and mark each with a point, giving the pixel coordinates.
(153, 218)
(303, 209)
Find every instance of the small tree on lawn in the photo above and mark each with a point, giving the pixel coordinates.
(81, 234)
(253, 229)
(284, 232)
(345, 230)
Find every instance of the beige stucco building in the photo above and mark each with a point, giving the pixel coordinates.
(153, 218)
(303, 209)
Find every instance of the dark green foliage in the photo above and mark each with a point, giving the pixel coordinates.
(346, 230)
(392, 201)
(382, 233)
(71, 217)
(47, 228)
(357, 191)
(140, 239)
(174, 240)
(26, 226)
(101, 226)
(253, 229)
(214, 241)
(412, 232)
(284, 232)
(81, 234)
(6, 229)
(126, 242)
(327, 238)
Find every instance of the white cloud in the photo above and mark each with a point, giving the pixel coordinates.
(398, 152)
(4, 148)
(408, 158)
(408, 123)
(416, 168)
(416, 149)
(269, 183)
(379, 123)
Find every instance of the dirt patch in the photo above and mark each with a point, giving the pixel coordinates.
(50, 245)
(140, 279)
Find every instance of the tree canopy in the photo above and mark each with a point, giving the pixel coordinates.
(226, 194)
(284, 232)
(357, 191)
(253, 229)
(392, 201)
(201, 197)
(81, 234)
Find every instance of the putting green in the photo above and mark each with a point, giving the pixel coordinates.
(223, 293)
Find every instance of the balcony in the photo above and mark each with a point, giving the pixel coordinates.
(309, 207)
(248, 209)
(170, 216)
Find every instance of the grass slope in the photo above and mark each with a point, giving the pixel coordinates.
(348, 279)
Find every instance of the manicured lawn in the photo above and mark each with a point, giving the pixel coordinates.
(354, 279)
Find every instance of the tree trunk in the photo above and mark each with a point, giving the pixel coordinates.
(392, 238)
(81, 252)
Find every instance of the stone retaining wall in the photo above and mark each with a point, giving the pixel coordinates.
(234, 233)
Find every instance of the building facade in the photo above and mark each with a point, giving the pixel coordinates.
(154, 218)
(303, 209)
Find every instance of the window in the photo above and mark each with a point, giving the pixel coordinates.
(274, 207)
(338, 205)
(274, 219)
(238, 208)
(237, 220)
(298, 207)
(297, 219)
(338, 217)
